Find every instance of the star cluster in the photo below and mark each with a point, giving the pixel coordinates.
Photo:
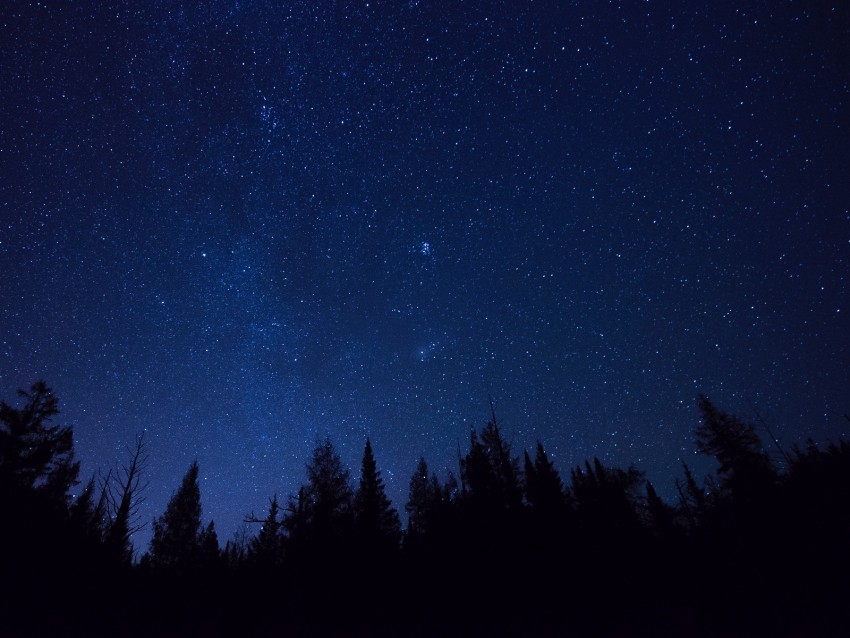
(238, 227)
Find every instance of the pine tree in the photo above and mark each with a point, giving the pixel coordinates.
(607, 498)
(490, 475)
(544, 489)
(175, 543)
(376, 521)
(209, 549)
(661, 515)
(745, 469)
(86, 516)
(322, 512)
(36, 458)
(420, 498)
(693, 502)
(266, 548)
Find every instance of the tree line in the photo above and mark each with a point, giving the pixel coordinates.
(506, 546)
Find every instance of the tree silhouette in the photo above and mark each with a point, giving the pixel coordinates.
(209, 550)
(661, 516)
(420, 498)
(376, 522)
(322, 512)
(744, 467)
(266, 548)
(175, 543)
(122, 492)
(36, 457)
(544, 489)
(607, 498)
(693, 501)
(489, 473)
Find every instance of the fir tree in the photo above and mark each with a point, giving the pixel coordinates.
(175, 543)
(490, 475)
(544, 490)
(266, 548)
(322, 512)
(36, 457)
(661, 516)
(745, 470)
(376, 521)
(209, 551)
(607, 498)
(420, 498)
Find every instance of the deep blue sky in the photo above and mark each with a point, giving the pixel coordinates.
(242, 226)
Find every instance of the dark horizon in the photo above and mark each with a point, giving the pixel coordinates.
(756, 548)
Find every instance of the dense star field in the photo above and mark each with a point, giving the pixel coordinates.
(239, 227)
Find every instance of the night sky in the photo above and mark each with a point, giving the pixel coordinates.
(241, 226)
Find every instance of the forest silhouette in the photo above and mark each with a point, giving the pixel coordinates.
(507, 546)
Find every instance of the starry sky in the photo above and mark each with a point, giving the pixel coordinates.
(242, 226)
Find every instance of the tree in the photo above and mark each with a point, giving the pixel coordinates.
(745, 469)
(175, 543)
(693, 501)
(489, 474)
(660, 515)
(606, 498)
(266, 548)
(36, 458)
(544, 489)
(322, 512)
(236, 549)
(124, 498)
(376, 521)
(419, 501)
(208, 547)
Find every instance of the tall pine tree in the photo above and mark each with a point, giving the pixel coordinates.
(544, 490)
(322, 513)
(36, 458)
(176, 534)
(376, 521)
(745, 470)
(266, 548)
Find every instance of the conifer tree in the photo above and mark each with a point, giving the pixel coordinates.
(661, 515)
(175, 543)
(266, 548)
(36, 458)
(693, 502)
(376, 521)
(490, 475)
(323, 510)
(745, 469)
(208, 547)
(544, 490)
(607, 498)
(420, 497)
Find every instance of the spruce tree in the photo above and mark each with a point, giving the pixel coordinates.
(420, 497)
(607, 498)
(661, 516)
(36, 458)
(544, 490)
(323, 511)
(208, 547)
(266, 548)
(175, 543)
(490, 475)
(376, 521)
(745, 470)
